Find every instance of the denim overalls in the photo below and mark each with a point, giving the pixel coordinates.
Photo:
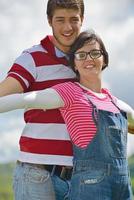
(101, 169)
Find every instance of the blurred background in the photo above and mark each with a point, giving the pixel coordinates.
(23, 23)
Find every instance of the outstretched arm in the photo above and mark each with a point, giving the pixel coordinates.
(43, 99)
(10, 86)
(130, 114)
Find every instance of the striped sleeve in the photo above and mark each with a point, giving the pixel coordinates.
(24, 70)
(66, 91)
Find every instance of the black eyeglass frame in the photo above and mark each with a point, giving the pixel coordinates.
(89, 53)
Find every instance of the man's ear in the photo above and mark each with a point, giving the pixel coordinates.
(82, 18)
(49, 21)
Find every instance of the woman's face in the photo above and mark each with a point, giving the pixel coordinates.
(89, 65)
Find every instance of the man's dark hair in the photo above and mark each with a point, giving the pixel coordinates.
(52, 5)
(83, 38)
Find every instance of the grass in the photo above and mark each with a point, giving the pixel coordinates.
(6, 171)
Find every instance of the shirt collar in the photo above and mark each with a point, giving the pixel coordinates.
(60, 53)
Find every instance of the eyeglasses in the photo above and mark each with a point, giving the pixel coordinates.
(94, 54)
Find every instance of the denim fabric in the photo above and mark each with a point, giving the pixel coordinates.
(100, 170)
(32, 183)
(61, 187)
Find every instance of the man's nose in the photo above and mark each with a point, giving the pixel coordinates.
(67, 26)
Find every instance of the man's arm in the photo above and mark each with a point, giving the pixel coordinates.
(10, 86)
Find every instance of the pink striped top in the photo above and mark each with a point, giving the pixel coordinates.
(77, 110)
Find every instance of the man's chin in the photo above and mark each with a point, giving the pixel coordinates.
(68, 43)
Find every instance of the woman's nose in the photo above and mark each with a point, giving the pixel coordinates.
(88, 57)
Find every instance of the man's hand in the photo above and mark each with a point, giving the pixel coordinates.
(131, 129)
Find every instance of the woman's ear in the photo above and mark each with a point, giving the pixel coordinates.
(104, 64)
(75, 69)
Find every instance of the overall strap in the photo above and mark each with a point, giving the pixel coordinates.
(95, 110)
(113, 101)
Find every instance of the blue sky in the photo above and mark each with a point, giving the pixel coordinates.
(23, 24)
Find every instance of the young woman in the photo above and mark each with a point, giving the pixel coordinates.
(95, 119)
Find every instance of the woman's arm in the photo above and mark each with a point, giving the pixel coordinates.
(130, 114)
(43, 99)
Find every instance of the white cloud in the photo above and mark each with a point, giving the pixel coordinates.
(9, 145)
(11, 125)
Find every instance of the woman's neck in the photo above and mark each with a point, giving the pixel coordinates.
(94, 85)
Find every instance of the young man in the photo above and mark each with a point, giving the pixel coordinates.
(45, 146)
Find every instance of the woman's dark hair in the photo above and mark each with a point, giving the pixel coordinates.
(84, 37)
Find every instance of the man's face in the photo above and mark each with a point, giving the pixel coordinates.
(66, 25)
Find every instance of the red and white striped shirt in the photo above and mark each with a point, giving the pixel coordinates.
(45, 138)
(77, 110)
